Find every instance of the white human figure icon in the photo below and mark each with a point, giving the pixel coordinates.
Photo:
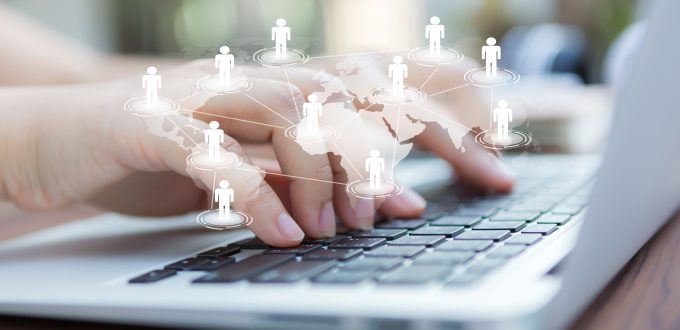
(281, 35)
(224, 62)
(491, 53)
(435, 33)
(214, 137)
(312, 110)
(502, 115)
(375, 165)
(397, 71)
(224, 196)
(151, 82)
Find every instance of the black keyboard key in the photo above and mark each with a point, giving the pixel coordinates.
(433, 212)
(485, 265)
(456, 221)
(515, 216)
(558, 219)
(524, 239)
(396, 251)
(543, 229)
(454, 245)
(245, 268)
(496, 235)
(343, 277)
(322, 241)
(187, 264)
(506, 251)
(513, 226)
(448, 231)
(251, 244)
(373, 264)
(332, 254)
(214, 263)
(418, 240)
(223, 251)
(381, 233)
(483, 211)
(415, 274)
(294, 271)
(357, 243)
(299, 250)
(409, 224)
(445, 258)
(154, 276)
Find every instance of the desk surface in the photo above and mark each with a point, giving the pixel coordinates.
(644, 295)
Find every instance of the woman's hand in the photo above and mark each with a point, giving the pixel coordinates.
(66, 144)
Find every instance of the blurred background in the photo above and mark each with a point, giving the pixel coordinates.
(560, 47)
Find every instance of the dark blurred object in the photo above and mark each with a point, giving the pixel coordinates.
(545, 49)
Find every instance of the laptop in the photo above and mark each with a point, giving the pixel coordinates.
(532, 259)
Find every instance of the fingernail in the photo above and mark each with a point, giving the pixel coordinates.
(327, 220)
(364, 212)
(288, 228)
(505, 170)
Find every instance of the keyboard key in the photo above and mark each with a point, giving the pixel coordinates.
(357, 243)
(299, 250)
(373, 264)
(462, 279)
(332, 254)
(543, 229)
(214, 263)
(558, 219)
(381, 233)
(445, 257)
(570, 209)
(500, 225)
(485, 265)
(506, 251)
(433, 212)
(153, 276)
(524, 239)
(323, 241)
(415, 274)
(448, 231)
(396, 251)
(343, 277)
(294, 271)
(531, 206)
(418, 240)
(245, 268)
(454, 245)
(251, 244)
(515, 216)
(456, 221)
(483, 211)
(496, 235)
(187, 264)
(409, 224)
(223, 251)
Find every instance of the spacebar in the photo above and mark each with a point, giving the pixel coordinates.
(245, 268)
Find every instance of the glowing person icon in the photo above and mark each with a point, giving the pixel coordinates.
(435, 33)
(224, 196)
(311, 111)
(151, 82)
(502, 115)
(375, 165)
(214, 137)
(224, 62)
(491, 53)
(281, 35)
(398, 71)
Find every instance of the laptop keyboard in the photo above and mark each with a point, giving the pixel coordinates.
(462, 237)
